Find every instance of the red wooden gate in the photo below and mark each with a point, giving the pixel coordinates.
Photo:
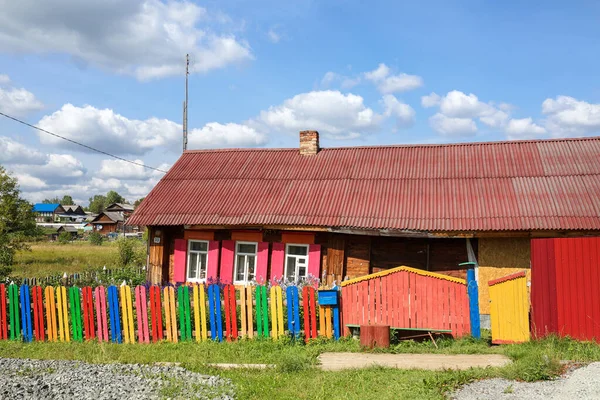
(407, 298)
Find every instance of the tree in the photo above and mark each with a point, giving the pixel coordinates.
(17, 220)
(114, 197)
(138, 202)
(53, 200)
(67, 200)
(97, 203)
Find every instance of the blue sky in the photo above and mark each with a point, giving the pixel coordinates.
(110, 74)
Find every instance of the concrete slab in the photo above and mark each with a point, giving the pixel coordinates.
(339, 361)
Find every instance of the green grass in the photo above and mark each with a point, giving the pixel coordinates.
(296, 375)
(46, 259)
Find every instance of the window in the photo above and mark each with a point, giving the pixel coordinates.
(197, 260)
(245, 261)
(296, 261)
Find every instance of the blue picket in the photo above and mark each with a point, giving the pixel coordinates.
(26, 313)
(293, 311)
(115, 319)
(214, 306)
(336, 322)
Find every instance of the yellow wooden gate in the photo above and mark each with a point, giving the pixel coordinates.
(509, 309)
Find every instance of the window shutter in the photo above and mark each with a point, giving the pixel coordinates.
(179, 260)
(212, 268)
(262, 262)
(227, 254)
(314, 260)
(277, 260)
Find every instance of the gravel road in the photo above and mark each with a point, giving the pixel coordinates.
(37, 379)
(582, 384)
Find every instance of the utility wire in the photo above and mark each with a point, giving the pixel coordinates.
(81, 144)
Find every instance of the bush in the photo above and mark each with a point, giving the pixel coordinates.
(131, 252)
(64, 237)
(96, 239)
(131, 275)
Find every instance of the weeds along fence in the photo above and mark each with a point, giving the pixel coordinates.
(151, 314)
(92, 278)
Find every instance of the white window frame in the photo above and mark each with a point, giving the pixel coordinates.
(296, 272)
(189, 250)
(235, 266)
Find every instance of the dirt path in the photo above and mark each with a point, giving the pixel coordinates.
(339, 361)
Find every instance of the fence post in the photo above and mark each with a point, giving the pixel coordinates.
(473, 292)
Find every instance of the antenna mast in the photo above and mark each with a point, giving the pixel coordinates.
(185, 103)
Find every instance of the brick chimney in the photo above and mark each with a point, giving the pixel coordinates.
(309, 143)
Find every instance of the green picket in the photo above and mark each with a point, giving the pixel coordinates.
(75, 300)
(15, 322)
(262, 314)
(183, 297)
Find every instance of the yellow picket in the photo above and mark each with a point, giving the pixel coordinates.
(322, 321)
(173, 315)
(167, 304)
(51, 313)
(63, 319)
(243, 312)
(200, 312)
(328, 327)
(127, 314)
(277, 329)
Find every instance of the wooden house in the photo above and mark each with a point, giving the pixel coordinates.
(239, 215)
(108, 222)
(47, 212)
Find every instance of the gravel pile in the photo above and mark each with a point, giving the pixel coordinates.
(581, 384)
(37, 379)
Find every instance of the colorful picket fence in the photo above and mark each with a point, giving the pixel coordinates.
(409, 299)
(144, 315)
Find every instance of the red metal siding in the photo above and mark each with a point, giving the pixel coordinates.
(566, 287)
(528, 185)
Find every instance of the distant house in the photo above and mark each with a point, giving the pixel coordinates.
(107, 222)
(74, 209)
(126, 209)
(48, 212)
(70, 229)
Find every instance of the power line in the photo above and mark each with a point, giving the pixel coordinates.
(81, 144)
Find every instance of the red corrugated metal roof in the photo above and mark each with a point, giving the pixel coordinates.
(522, 185)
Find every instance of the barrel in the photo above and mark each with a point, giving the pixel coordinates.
(375, 336)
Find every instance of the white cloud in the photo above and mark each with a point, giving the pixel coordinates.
(108, 131)
(404, 114)
(458, 111)
(12, 152)
(273, 35)
(16, 101)
(523, 129)
(28, 182)
(216, 135)
(431, 100)
(332, 113)
(387, 83)
(330, 78)
(567, 116)
(120, 169)
(449, 126)
(147, 39)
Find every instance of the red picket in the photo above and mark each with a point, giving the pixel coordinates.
(156, 314)
(38, 313)
(88, 313)
(230, 313)
(3, 324)
(141, 308)
(100, 294)
(310, 315)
